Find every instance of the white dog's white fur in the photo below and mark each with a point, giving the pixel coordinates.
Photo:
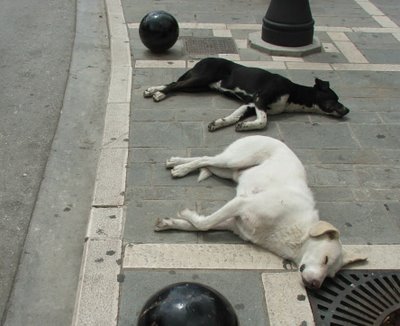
(273, 208)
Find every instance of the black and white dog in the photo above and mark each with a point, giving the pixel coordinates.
(262, 92)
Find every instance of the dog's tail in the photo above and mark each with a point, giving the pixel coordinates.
(204, 174)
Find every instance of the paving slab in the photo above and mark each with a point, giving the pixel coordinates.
(361, 222)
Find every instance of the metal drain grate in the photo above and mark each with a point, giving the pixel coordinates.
(209, 45)
(359, 298)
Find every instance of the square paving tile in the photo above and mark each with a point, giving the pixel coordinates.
(307, 135)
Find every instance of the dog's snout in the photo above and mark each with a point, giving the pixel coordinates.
(341, 110)
(344, 111)
(313, 284)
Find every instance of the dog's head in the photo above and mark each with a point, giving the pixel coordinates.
(323, 255)
(327, 100)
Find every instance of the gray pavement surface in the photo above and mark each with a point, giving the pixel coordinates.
(352, 164)
(48, 160)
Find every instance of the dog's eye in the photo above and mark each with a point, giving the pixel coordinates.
(302, 267)
(326, 260)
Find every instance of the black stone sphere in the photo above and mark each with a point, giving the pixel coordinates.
(187, 304)
(158, 31)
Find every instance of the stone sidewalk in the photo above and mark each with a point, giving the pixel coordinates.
(352, 164)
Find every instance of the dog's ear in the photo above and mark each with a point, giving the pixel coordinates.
(322, 228)
(351, 257)
(321, 84)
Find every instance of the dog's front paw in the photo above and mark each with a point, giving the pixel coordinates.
(162, 224)
(179, 171)
(217, 124)
(212, 126)
(148, 93)
(159, 96)
(172, 162)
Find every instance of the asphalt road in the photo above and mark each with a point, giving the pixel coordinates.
(53, 87)
(36, 39)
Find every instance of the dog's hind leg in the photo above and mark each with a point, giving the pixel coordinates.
(163, 224)
(259, 123)
(235, 116)
(195, 84)
(204, 223)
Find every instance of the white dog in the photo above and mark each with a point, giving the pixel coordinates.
(273, 208)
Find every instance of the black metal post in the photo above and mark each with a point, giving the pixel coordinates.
(288, 23)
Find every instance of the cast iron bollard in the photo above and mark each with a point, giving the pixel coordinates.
(187, 303)
(288, 23)
(158, 31)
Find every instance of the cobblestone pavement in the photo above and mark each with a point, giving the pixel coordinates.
(352, 164)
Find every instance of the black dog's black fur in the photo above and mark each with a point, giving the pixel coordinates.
(259, 89)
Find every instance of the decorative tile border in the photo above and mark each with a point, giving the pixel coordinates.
(284, 293)
(237, 257)
(330, 47)
(350, 51)
(287, 59)
(199, 256)
(369, 8)
(222, 33)
(160, 64)
(365, 67)
(385, 21)
(308, 66)
(281, 65)
(257, 27)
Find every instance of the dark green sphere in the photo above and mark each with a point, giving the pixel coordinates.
(187, 304)
(158, 31)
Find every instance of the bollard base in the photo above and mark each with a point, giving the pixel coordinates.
(256, 42)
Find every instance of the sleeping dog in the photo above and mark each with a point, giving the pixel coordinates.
(273, 207)
(261, 92)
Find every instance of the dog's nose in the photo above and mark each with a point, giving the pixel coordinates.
(345, 111)
(341, 110)
(313, 284)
